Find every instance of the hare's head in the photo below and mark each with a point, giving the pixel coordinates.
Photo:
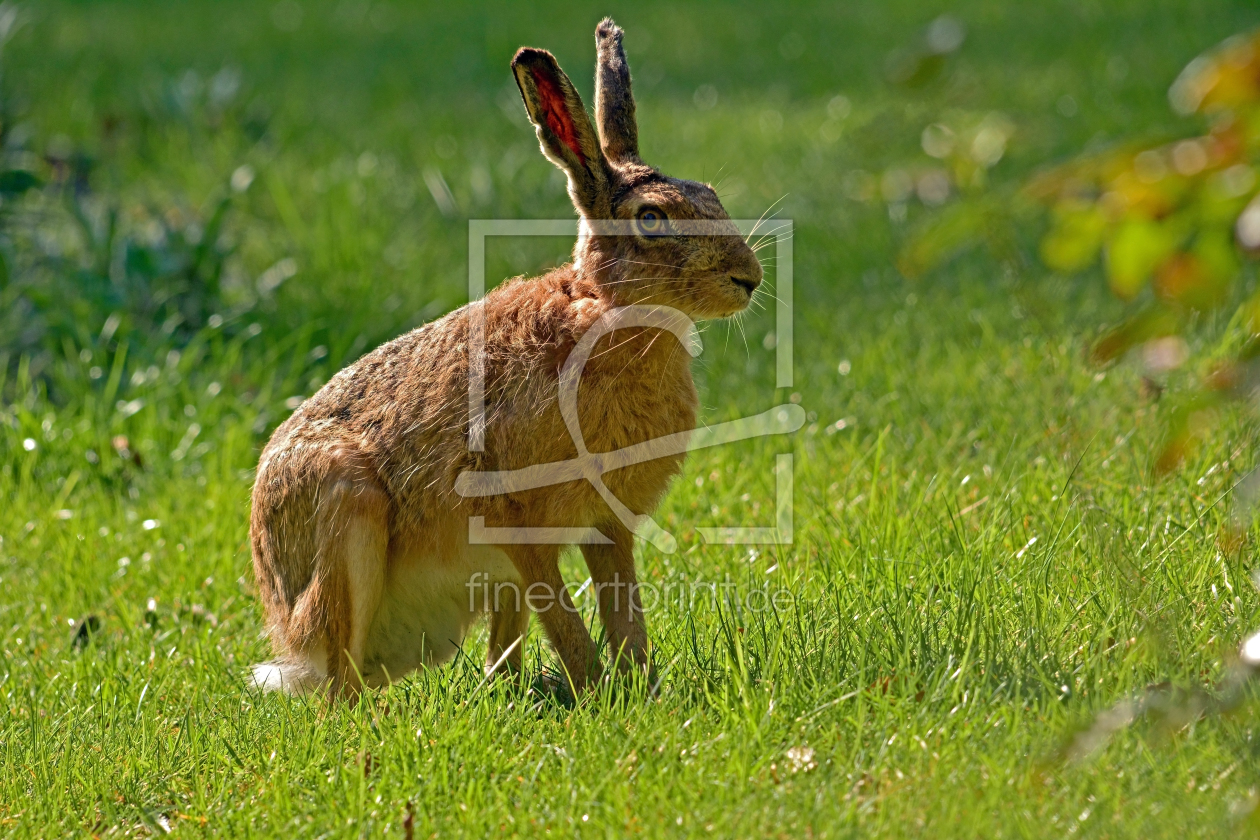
(645, 238)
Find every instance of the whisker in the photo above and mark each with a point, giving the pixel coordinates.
(769, 236)
(655, 281)
(641, 262)
(636, 333)
(774, 241)
(739, 322)
(771, 231)
(763, 216)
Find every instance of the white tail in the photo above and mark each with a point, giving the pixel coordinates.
(289, 677)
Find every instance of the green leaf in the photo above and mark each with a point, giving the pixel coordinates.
(1075, 239)
(18, 181)
(1191, 419)
(1134, 251)
(1221, 266)
(951, 232)
(1151, 323)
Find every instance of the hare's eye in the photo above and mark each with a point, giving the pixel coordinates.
(651, 222)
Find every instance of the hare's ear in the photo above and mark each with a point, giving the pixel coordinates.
(564, 129)
(614, 103)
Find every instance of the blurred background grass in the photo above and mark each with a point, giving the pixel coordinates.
(342, 107)
(148, 350)
(371, 132)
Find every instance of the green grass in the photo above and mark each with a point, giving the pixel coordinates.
(936, 660)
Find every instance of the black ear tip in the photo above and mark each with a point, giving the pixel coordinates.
(532, 57)
(608, 29)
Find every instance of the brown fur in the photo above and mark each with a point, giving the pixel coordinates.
(360, 542)
(614, 106)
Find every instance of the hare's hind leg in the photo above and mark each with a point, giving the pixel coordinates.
(334, 614)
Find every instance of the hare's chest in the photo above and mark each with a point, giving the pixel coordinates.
(642, 447)
(646, 409)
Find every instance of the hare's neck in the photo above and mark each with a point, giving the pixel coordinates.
(635, 358)
(630, 359)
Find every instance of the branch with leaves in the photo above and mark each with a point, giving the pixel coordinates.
(1173, 228)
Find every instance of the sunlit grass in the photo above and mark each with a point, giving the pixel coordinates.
(981, 564)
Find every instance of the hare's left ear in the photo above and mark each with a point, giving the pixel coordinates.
(564, 129)
(614, 103)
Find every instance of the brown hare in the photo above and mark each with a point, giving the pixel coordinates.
(360, 539)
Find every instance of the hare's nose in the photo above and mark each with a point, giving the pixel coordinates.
(748, 284)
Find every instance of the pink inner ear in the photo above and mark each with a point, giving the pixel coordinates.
(556, 111)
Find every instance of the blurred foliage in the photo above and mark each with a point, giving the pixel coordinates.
(158, 269)
(923, 60)
(948, 422)
(87, 275)
(1172, 226)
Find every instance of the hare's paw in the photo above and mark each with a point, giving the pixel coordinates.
(551, 687)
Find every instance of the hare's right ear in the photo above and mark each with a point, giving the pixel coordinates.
(564, 129)
(614, 103)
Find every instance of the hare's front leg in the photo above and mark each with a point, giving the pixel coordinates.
(509, 623)
(617, 588)
(545, 594)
